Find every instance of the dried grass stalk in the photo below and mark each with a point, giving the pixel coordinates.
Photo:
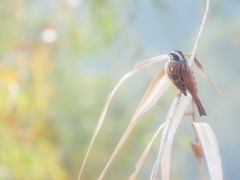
(173, 119)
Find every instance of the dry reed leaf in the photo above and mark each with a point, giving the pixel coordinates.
(200, 68)
(150, 61)
(133, 121)
(118, 148)
(187, 54)
(156, 89)
(144, 154)
(145, 64)
(211, 150)
(197, 150)
(154, 92)
(173, 119)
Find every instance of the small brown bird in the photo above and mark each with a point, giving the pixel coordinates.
(181, 75)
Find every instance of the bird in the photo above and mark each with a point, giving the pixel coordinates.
(182, 77)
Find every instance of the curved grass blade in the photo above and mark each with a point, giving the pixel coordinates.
(157, 87)
(200, 68)
(150, 61)
(144, 154)
(211, 150)
(105, 108)
(154, 92)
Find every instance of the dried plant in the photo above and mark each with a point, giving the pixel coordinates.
(207, 143)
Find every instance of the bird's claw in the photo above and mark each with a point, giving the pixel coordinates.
(179, 94)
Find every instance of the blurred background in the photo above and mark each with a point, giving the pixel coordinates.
(60, 59)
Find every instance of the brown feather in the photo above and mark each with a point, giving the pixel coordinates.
(198, 103)
(182, 77)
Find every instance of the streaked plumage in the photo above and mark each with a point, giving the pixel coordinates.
(181, 75)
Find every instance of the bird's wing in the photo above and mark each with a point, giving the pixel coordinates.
(179, 82)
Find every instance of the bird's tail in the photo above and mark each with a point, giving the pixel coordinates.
(198, 103)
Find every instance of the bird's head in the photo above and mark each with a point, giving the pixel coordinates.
(176, 56)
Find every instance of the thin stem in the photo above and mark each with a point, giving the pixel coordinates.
(201, 171)
(164, 138)
(200, 165)
(199, 34)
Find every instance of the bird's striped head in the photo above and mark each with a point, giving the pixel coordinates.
(176, 56)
